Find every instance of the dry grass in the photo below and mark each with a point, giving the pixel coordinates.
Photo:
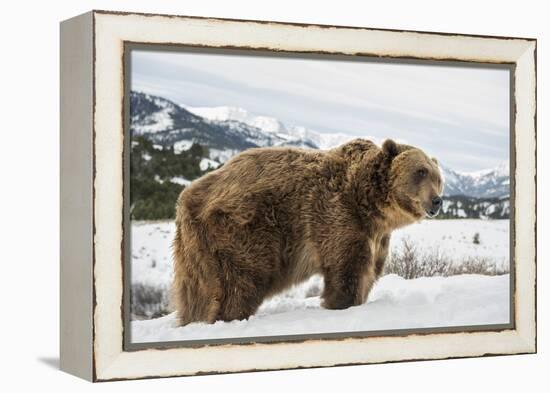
(148, 301)
(409, 261)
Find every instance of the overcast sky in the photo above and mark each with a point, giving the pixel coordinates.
(458, 114)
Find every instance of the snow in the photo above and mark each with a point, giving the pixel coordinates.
(225, 113)
(151, 244)
(484, 183)
(207, 163)
(395, 303)
(271, 125)
(461, 213)
(182, 145)
(501, 170)
(180, 180)
(455, 238)
(221, 113)
(222, 155)
(327, 141)
(157, 121)
(268, 124)
(491, 209)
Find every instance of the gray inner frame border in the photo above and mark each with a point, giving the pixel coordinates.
(128, 47)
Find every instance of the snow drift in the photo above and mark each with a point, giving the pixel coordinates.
(395, 303)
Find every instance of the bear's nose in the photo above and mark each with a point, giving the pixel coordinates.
(436, 202)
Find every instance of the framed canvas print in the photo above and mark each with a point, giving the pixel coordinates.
(248, 195)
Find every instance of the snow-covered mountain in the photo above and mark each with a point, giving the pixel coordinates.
(488, 183)
(228, 130)
(274, 126)
(168, 124)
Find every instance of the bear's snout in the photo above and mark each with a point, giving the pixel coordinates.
(436, 206)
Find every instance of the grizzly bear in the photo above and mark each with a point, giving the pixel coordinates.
(272, 217)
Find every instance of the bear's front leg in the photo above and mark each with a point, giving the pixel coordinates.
(346, 274)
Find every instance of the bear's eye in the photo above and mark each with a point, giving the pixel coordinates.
(422, 172)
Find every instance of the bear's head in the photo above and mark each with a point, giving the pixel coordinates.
(415, 181)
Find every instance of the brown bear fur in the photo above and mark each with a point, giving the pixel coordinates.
(272, 217)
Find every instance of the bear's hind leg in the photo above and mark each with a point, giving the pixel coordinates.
(246, 280)
(196, 289)
(242, 297)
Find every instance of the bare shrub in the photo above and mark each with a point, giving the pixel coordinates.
(435, 263)
(409, 261)
(478, 265)
(148, 301)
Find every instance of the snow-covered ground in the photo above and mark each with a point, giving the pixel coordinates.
(454, 238)
(394, 303)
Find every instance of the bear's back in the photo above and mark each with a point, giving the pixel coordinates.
(251, 180)
(273, 178)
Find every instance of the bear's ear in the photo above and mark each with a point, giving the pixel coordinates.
(435, 160)
(390, 148)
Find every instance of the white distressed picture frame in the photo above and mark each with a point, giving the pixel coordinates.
(92, 178)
